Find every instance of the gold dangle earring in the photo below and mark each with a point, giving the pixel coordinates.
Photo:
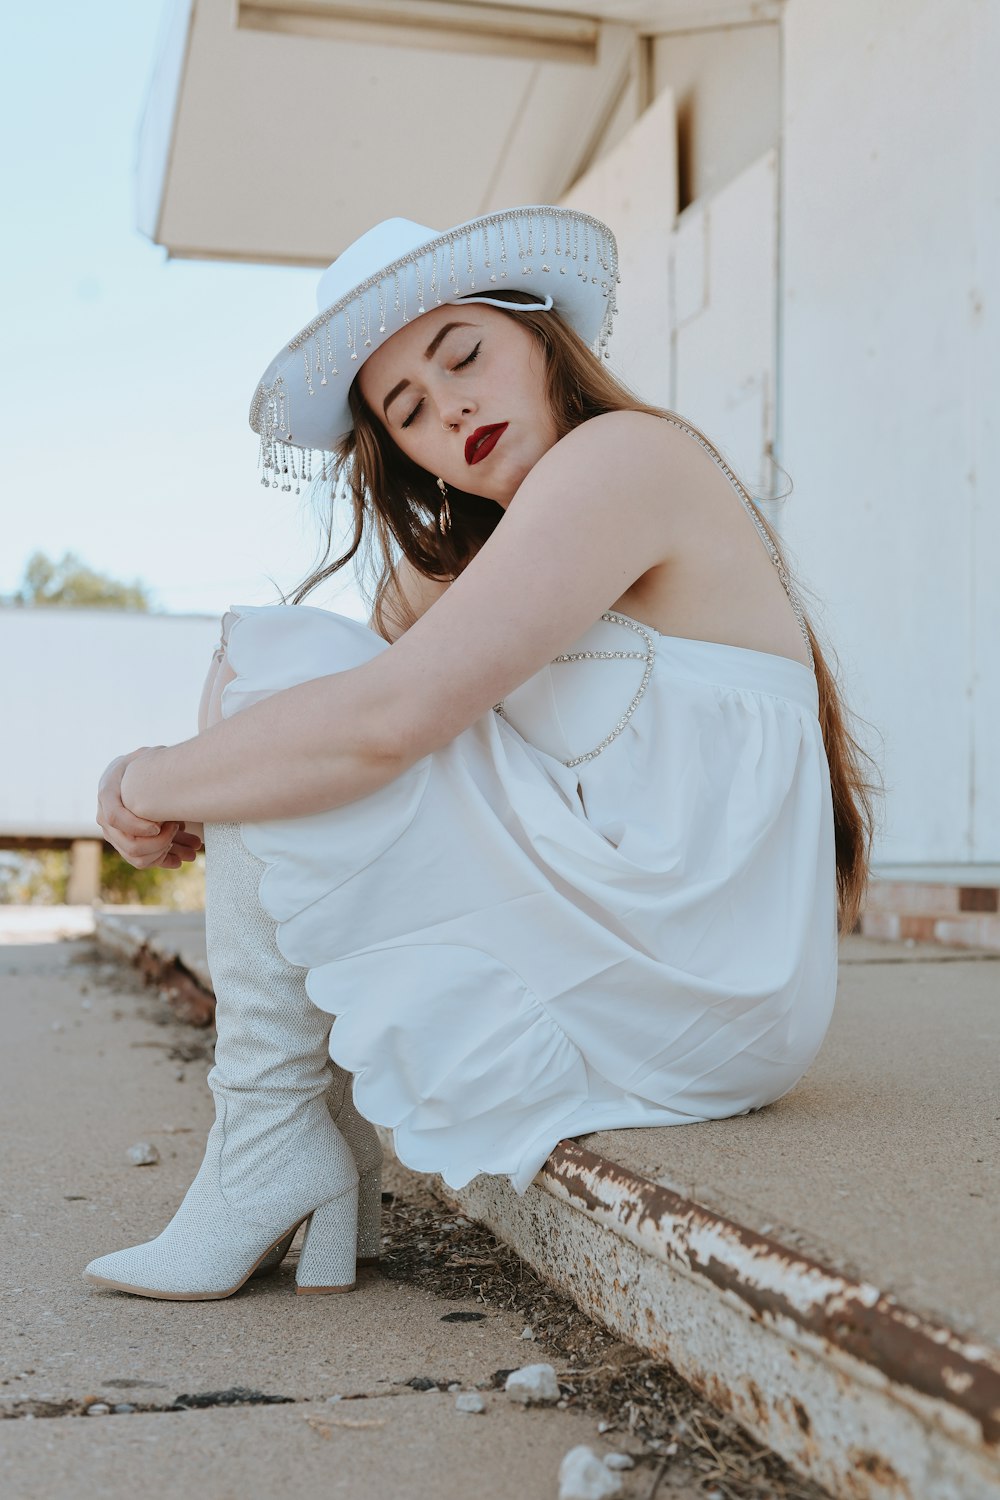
(444, 514)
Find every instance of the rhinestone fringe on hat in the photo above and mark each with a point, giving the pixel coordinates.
(558, 242)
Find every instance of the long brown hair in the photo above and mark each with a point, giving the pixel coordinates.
(396, 506)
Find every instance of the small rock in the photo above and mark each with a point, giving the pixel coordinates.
(422, 1383)
(470, 1401)
(618, 1461)
(123, 1406)
(143, 1154)
(527, 1333)
(532, 1383)
(605, 1426)
(331, 1399)
(582, 1476)
(98, 1409)
(456, 1385)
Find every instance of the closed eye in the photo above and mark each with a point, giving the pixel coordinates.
(469, 359)
(473, 356)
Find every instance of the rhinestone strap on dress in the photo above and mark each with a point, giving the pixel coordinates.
(648, 656)
(751, 511)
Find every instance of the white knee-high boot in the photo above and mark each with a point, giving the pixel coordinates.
(274, 1156)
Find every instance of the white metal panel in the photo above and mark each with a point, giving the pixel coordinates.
(633, 187)
(727, 88)
(80, 687)
(889, 199)
(724, 279)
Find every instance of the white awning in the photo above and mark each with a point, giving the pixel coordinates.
(279, 130)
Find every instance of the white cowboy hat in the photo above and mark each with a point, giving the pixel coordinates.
(395, 272)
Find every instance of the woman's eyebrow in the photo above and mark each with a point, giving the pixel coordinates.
(429, 353)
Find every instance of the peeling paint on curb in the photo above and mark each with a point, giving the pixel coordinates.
(855, 1391)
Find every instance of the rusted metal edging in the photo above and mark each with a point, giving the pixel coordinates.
(160, 966)
(779, 1285)
(871, 1400)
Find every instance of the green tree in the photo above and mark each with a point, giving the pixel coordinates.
(70, 582)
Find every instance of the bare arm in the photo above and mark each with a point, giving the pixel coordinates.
(410, 596)
(591, 517)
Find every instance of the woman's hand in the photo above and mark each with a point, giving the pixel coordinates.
(138, 840)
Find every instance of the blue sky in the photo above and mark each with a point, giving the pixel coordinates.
(128, 376)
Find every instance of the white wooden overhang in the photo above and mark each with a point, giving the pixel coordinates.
(279, 130)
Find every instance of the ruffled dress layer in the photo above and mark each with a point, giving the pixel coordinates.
(523, 940)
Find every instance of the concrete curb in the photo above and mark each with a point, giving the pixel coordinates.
(852, 1389)
(181, 976)
(868, 1398)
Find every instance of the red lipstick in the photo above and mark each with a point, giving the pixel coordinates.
(483, 441)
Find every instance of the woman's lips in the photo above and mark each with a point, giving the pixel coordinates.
(483, 441)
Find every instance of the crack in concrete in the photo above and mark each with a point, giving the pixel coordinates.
(235, 1396)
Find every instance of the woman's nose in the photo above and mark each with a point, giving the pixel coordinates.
(454, 413)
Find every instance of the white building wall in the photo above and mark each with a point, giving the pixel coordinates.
(81, 686)
(889, 386)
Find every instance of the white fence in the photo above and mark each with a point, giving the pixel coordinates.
(81, 686)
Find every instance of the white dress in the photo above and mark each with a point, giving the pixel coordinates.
(610, 903)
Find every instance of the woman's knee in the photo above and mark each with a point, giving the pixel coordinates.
(224, 674)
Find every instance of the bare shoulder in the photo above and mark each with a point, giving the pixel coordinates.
(620, 426)
(643, 464)
(635, 446)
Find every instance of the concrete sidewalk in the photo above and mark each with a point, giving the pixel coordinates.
(826, 1269)
(104, 1396)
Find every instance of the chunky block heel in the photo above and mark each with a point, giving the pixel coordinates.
(328, 1259)
(369, 1246)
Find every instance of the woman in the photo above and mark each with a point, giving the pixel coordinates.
(559, 842)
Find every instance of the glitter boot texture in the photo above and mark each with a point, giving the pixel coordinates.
(274, 1156)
